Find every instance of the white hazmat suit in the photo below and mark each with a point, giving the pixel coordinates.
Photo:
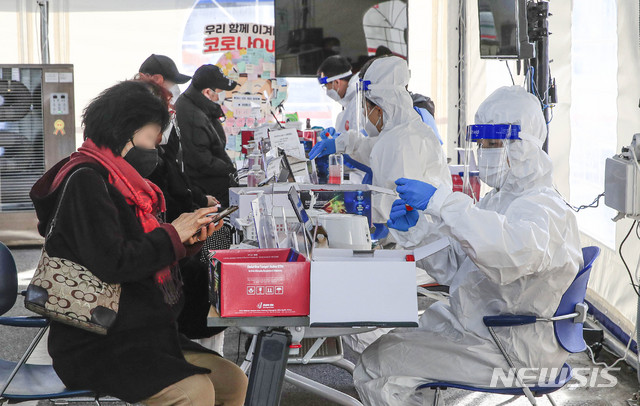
(406, 147)
(346, 119)
(516, 251)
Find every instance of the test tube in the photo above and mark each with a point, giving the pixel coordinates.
(336, 169)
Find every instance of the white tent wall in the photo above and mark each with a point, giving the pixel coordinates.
(428, 55)
(19, 40)
(109, 40)
(106, 41)
(609, 288)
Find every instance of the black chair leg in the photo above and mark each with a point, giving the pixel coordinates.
(25, 357)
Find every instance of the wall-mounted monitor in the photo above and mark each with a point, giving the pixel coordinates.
(309, 31)
(503, 29)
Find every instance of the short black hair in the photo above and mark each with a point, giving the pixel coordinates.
(382, 50)
(370, 103)
(111, 119)
(335, 65)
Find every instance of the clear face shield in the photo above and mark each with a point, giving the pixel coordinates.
(363, 121)
(361, 106)
(486, 156)
(329, 84)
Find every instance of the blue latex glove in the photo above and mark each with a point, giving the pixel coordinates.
(327, 133)
(400, 218)
(380, 232)
(323, 148)
(398, 209)
(415, 193)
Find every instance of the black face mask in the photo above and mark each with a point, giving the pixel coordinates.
(143, 160)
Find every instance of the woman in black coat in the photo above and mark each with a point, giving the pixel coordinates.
(110, 221)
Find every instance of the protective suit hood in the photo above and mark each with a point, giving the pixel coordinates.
(406, 147)
(389, 78)
(529, 166)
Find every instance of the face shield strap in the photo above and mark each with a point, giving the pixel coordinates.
(325, 80)
(478, 132)
(366, 86)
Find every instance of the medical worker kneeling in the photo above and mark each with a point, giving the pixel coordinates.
(516, 251)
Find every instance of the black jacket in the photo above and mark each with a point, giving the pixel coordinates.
(96, 227)
(424, 102)
(180, 196)
(206, 162)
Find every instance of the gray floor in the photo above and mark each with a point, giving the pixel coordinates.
(13, 342)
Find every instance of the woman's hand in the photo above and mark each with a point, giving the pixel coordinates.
(212, 201)
(196, 226)
(205, 232)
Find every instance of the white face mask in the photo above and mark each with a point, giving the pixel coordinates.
(369, 127)
(221, 96)
(333, 94)
(175, 91)
(166, 134)
(493, 167)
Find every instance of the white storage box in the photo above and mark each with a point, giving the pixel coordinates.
(368, 288)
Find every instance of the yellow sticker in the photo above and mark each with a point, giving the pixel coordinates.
(59, 126)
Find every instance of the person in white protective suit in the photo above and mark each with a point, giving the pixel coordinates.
(405, 146)
(339, 82)
(335, 75)
(514, 252)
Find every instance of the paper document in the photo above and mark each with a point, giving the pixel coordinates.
(287, 139)
(429, 249)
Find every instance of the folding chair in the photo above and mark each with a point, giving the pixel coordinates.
(20, 381)
(568, 323)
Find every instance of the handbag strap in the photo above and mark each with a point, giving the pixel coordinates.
(55, 215)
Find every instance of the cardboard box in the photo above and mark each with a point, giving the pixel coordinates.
(366, 288)
(259, 283)
(340, 201)
(351, 288)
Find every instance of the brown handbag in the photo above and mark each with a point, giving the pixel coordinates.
(67, 292)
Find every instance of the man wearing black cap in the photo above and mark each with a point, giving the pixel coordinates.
(163, 71)
(198, 113)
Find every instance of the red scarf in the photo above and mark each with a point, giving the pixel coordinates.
(137, 191)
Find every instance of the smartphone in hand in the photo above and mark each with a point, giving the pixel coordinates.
(215, 217)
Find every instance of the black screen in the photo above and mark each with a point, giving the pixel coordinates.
(503, 29)
(309, 31)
